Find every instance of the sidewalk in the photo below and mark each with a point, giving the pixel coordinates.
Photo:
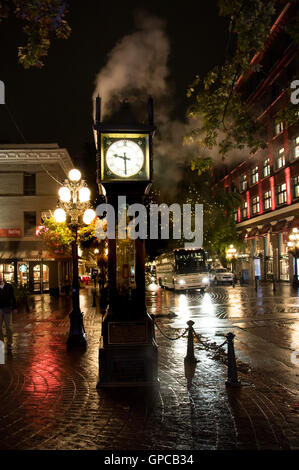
(48, 397)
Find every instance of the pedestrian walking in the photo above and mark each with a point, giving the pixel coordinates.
(7, 307)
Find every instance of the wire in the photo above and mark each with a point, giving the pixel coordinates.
(22, 135)
(15, 123)
(51, 176)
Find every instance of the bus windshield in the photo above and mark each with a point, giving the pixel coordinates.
(187, 262)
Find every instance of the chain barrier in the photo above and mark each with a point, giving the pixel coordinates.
(168, 337)
(219, 353)
(209, 346)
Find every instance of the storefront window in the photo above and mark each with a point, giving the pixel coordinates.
(40, 278)
(23, 273)
(7, 270)
(284, 269)
(283, 255)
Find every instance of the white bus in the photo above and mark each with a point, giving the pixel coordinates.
(183, 269)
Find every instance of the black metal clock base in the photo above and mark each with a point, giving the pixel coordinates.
(125, 366)
(128, 354)
(77, 338)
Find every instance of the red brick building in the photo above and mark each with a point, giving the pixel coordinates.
(268, 181)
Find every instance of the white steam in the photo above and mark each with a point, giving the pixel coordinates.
(137, 62)
(138, 67)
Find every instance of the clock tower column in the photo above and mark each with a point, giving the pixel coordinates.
(128, 350)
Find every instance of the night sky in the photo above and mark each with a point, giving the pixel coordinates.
(54, 104)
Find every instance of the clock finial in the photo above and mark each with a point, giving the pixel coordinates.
(150, 109)
(98, 110)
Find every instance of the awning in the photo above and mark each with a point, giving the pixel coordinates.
(281, 226)
(25, 250)
(253, 233)
(265, 229)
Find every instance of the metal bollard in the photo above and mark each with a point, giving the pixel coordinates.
(94, 304)
(232, 373)
(274, 284)
(189, 369)
(190, 346)
(234, 281)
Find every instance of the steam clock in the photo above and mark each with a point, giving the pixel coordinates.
(128, 350)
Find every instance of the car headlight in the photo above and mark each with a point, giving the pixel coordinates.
(181, 281)
(205, 280)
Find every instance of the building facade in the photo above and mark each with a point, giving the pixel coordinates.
(268, 181)
(29, 182)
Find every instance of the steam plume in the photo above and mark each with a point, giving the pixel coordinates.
(138, 67)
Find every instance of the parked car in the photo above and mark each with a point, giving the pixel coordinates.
(221, 275)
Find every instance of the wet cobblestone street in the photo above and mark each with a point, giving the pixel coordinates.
(48, 397)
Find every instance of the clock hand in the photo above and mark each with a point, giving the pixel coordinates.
(125, 158)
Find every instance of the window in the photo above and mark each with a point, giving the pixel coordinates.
(282, 193)
(7, 271)
(267, 200)
(295, 148)
(255, 204)
(254, 175)
(235, 216)
(29, 184)
(266, 167)
(278, 128)
(296, 187)
(244, 210)
(29, 223)
(243, 182)
(280, 159)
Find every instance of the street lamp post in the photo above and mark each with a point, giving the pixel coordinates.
(231, 255)
(74, 209)
(293, 248)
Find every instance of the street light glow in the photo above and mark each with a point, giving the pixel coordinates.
(84, 194)
(64, 194)
(60, 215)
(74, 175)
(88, 216)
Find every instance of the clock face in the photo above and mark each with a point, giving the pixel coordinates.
(124, 158)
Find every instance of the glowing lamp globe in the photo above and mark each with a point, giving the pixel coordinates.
(84, 194)
(64, 194)
(60, 215)
(88, 216)
(75, 175)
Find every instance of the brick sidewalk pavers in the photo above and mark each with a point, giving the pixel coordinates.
(48, 397)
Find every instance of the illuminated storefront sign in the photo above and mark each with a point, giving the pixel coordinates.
(10, 232)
